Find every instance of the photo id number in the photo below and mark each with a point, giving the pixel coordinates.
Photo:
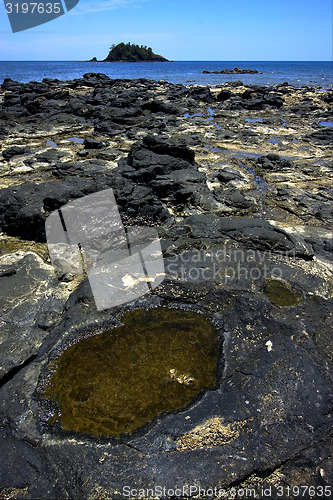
(33, 8)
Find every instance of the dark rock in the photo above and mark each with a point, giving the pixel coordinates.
(106, 128)
(35, 106)
(163, 146)
(22, 464)
(3, 132)
(227, 135)
(273, 120)
(305, 204)
(324, 136)
(57, 94)
(328, 97)
(236, 83)
(108, 154)
(200, 94)
(115, 115)
(228, 174)
(91, 143)
(15, 151)
(248, 136)
(162, 165)
(28, 289)
(320, 240)
(163, 107)
(274, 100)
(6, 271)
(93, 79)
(247, 94)
(11, 85)
(51, 81)
(254, 232)
(23, 208)
(83, 153)
(273, 157)
(256, 98)
(50, 156)
(12, 100)
(28, 97)
(224, 95)
(143, 160)
(78, 106)
(233, 198)
(272, 161)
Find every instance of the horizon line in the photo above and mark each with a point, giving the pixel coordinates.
(171, 61)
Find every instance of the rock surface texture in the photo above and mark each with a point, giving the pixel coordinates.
(237, 181)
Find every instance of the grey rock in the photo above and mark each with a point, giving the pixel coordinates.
(29, 304)
(324, 136)
(14, 151)
(234, 198)
(229, 174)
(23, 208)
(22, 464)
(224, 95)
(91, 143)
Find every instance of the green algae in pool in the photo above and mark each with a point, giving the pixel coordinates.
(281, 294)
(117, 381)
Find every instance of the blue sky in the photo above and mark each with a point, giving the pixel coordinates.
(215, 30)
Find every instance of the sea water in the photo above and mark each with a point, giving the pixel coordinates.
(299, 73)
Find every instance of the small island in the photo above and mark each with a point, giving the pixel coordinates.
(131, 53)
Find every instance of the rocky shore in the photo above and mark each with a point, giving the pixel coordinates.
(237, 181)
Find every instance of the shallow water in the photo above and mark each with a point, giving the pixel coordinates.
(187, 115)
(213, 150)
(253, 120)
(262, 188)
(52, 143)
(119, 380)
(77, 140)
(281, 294)
(326, 124)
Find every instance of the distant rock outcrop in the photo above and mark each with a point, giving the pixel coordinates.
(234, 71)
(132, 53)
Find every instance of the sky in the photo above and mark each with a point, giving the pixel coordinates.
(183, 30)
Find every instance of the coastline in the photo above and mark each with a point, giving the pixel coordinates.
(235, 168)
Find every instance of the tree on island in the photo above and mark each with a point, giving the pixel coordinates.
(132, 53)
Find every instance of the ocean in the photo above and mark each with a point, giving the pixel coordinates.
(298, 73)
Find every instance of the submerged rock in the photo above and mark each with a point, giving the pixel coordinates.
(281, 294)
